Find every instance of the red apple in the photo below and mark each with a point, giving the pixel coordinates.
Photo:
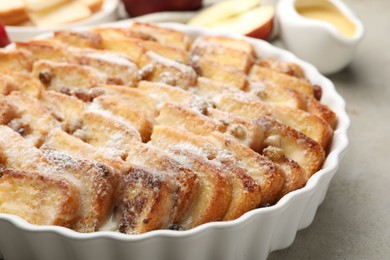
(4, 40)
(243, 17)
(257, 23)
(141, 7)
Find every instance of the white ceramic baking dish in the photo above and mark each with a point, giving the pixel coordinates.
(252, 236)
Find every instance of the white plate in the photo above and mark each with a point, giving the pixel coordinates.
(252, 236)
(108, 13)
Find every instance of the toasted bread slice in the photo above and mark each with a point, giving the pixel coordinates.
(16, 152)
(104, 131)
(63, 142)
(85, 39)
(162, 93)
(145, 202)
(180, 116)
(321, 110)
(16, 60)
(246, 192)
(99, 184)
(246, 131)
(267, 93)
(112, 32)
(66, 109)
(221, 203)
(166, 51)
(126, 46)
(210, 69)
(312, 126)
(296, 146)
(221, 54)
(230, 43)
(284, 67)
(40, 199)
(32, 120)
(45, 50)
(7, 113)
(131, 96)
(277, 95)
(64, 77)
(262, 74)
(212, 89)
(159, 69)
(19, 81)
(295, 175)
(132, 115)
(135, 43)
(7, 84)
(117, 68)
(96, 182)
(162, 35)
(187, 182)
(264, 172)
(215, 189)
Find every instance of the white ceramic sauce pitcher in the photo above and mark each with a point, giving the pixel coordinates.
(315, 40)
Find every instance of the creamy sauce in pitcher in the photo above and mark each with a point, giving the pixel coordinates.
(327, 12)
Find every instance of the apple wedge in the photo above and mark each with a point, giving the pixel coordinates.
(222, 11)
(242, 17)
(4, 40)
(256, 23)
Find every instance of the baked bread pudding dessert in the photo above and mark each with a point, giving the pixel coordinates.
(143, 128)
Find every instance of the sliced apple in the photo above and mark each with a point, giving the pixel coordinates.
(257, 23)
(222, 11)
(4, 40)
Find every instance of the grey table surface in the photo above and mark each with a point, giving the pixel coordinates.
(354, 220)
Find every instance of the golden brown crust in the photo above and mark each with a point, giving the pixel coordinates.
(321, 110)
(63, 77)
(262, 74)
(19, 81)
(288, 68)
(187, 181)
(16, 60)
(40, 199)
(217, 53)
(99, 184)
(156, 68)
(145, 201)
(214, 194)
(311, 125)
(123, 109)
(79, 39)
(162, 35)
(210, 69)
(296, 146)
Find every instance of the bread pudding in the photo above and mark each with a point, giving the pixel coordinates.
(143, 128)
